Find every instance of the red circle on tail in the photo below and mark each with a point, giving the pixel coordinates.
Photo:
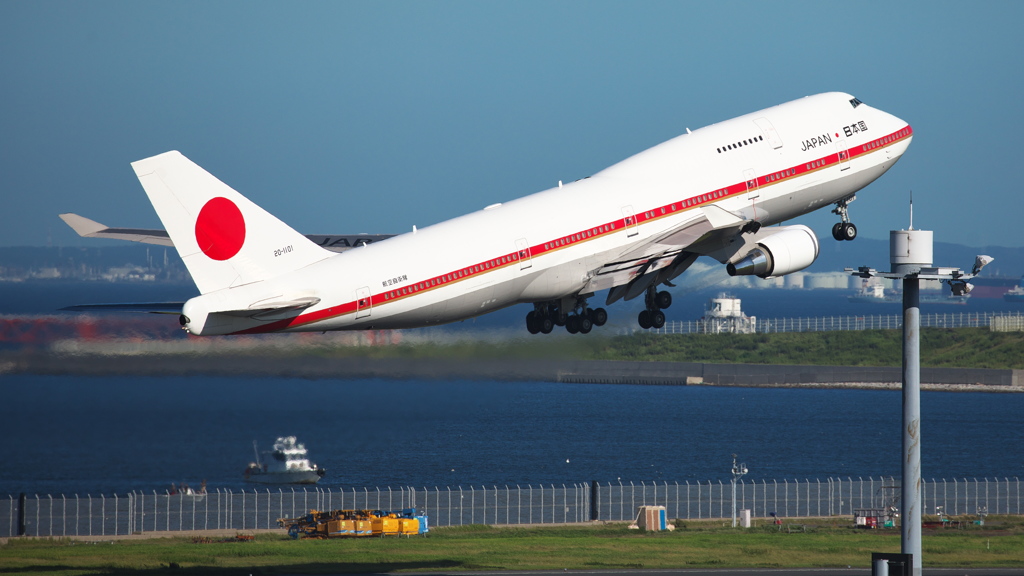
(220, 229)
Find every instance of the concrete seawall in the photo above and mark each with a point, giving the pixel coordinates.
(781, 375)
(573, 371)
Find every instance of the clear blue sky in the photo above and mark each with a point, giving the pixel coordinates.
(375, 116)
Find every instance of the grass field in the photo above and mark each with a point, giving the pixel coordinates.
(949, 348)
(952, 348)
(826, 543)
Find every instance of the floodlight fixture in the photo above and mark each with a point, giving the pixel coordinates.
(980, 261)
(960, 287)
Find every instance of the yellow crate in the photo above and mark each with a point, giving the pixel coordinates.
(362, 527)
(408, 526)
(384, 526)
(336, 527)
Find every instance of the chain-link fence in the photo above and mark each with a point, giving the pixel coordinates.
(806, 498)
(834, 323)
(138, 512)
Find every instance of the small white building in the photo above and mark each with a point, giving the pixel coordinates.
(723, 314)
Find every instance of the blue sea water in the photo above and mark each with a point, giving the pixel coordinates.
(77, 435)
(85, 435)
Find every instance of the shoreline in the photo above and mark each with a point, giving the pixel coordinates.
(543, 370)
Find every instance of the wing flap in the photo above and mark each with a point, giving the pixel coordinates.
(622, 273)
(710, 223)
(668, 254)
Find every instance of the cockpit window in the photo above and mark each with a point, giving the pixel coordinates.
(855, 102)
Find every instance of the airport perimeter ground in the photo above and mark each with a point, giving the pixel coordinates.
(823, 546)
(965, 359)
(809, 546)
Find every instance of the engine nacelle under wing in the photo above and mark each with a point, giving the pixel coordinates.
(791, 249)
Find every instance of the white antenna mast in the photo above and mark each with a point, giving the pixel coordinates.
(911, 209)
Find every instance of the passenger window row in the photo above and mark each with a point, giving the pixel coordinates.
(581, 236)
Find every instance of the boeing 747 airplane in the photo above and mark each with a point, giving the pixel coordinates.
(718, 191)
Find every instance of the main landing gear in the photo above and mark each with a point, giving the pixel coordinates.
(653, 317)
(579, 320)
(844, 230)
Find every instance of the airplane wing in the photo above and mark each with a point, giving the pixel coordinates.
(88, 228)
(714, 232)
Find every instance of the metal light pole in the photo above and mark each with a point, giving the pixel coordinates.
(910, 254)
(737, 472)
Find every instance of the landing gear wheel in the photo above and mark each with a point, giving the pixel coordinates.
(546, 325)
(849, 231)
(663, 299)
(837, 231)
(599, 316)
(572, 324)
(532, 323)
(586, 324)
(644, 319)
(657, 319)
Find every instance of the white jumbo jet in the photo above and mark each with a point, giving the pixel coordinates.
(628, 229)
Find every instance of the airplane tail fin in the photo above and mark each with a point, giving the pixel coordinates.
(224, 238)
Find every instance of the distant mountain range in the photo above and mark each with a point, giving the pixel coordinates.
(1009, 262)
(70, 263)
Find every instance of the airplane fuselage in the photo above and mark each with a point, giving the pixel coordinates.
(767, 167)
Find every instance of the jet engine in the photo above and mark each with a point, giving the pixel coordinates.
(791, 249)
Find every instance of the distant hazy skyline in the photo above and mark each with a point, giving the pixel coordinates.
(345, 117)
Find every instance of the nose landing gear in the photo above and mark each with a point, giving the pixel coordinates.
(844, 230)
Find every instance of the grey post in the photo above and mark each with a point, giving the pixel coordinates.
(737, 472)
(910, 526)
(910, 254)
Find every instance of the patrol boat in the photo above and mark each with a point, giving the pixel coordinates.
(285, 464)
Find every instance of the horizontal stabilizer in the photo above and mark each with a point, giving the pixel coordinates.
(151, 307)
(87, 228)
(269, 310)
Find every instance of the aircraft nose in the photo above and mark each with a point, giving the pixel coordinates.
(903, 136)
(895, 134)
